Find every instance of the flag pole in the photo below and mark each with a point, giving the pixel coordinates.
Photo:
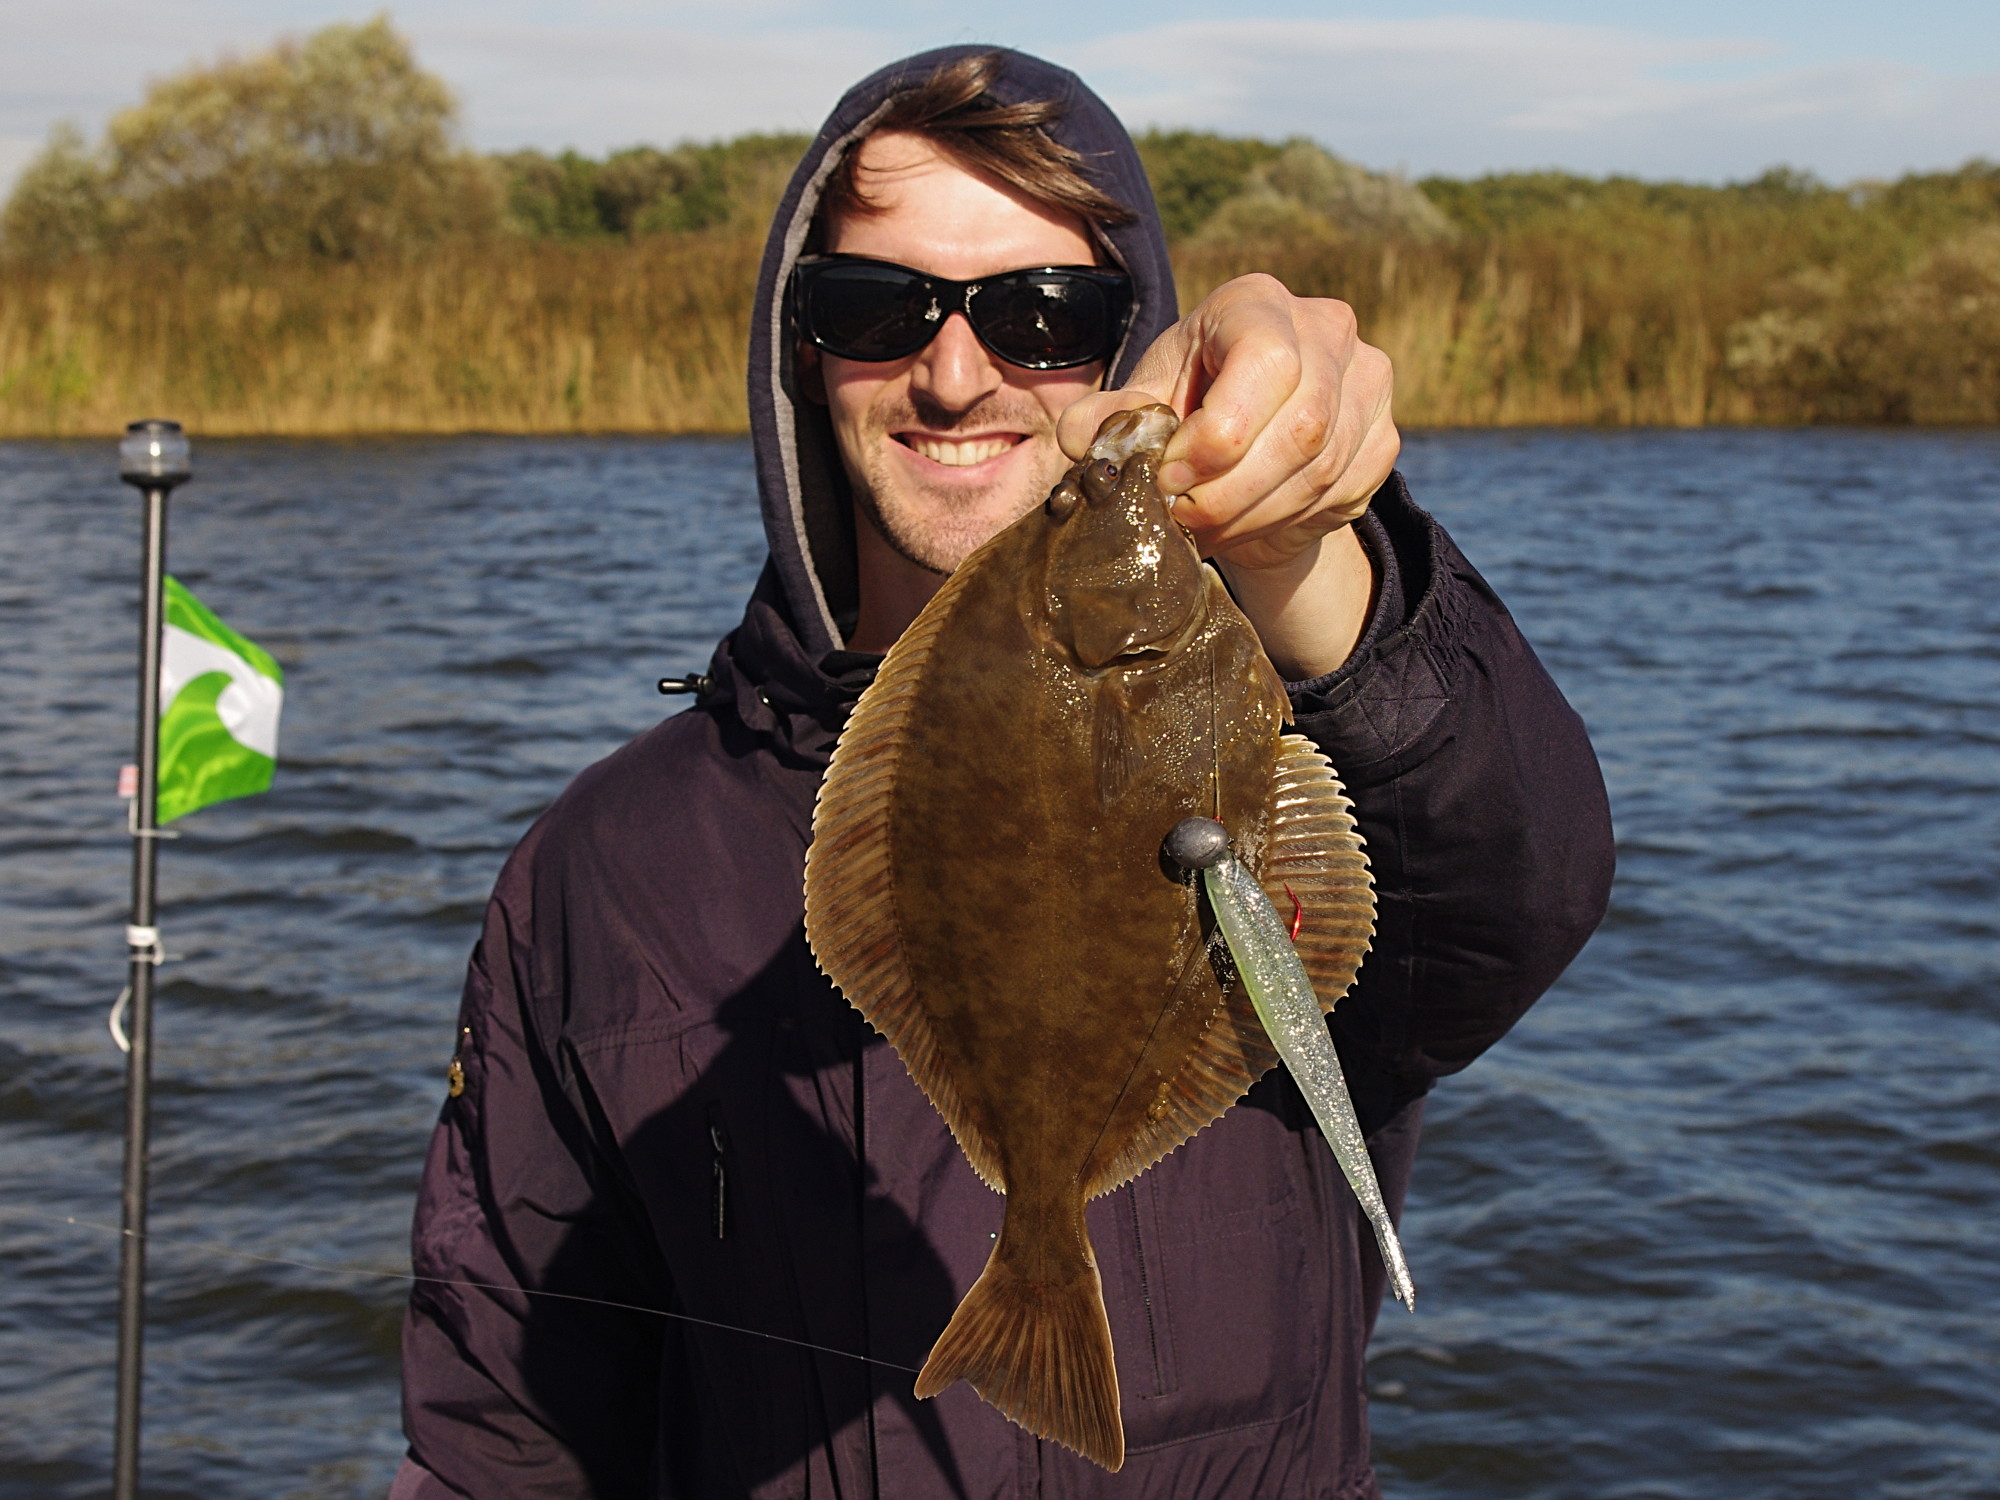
(153, 457)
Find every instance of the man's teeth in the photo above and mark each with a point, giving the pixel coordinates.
(959, 455)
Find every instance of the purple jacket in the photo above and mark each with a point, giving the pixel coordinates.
(668, 1108)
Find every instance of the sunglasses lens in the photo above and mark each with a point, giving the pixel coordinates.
(859, 310)
(874, 311)
(1045, 321)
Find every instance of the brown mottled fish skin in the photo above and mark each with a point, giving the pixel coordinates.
(986, 884)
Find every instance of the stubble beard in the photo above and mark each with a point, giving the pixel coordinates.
(938, 526)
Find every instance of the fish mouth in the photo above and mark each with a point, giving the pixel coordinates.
(1142, 656)
(1137, 659)
(960, 452)
(1144, 430)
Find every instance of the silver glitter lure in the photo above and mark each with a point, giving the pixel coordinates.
(1285, 1002)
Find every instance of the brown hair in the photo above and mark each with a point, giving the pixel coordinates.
(955, 111)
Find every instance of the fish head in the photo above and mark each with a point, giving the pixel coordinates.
(1125, 585)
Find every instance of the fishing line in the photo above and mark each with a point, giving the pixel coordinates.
(1214, 727)
(484, 1286)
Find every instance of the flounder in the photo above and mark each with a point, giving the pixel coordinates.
(987, 885)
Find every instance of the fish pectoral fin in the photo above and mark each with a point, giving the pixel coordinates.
(1039, 1352)
(1313, 855)
(1115, 745)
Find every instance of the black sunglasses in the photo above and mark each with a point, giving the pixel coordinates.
(1048, 318)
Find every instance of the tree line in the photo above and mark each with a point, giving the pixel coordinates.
(341, 147)
(318, 194)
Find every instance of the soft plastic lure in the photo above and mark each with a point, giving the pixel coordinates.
(1283, 995)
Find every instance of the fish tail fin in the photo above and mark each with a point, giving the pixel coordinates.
(1038, 1351)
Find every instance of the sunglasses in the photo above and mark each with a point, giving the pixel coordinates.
(1049, 318)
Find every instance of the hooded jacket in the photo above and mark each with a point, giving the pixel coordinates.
(689, 1228)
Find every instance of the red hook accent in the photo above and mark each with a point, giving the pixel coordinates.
(1298, 912)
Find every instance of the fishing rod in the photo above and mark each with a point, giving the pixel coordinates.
(153, 458)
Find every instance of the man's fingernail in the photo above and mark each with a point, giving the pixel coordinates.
(1176, 478)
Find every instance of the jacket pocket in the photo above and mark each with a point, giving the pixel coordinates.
(1218, 1306)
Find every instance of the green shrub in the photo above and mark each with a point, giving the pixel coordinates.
(1194, 172)
(644, 190)
(336, 147)
(60, 204)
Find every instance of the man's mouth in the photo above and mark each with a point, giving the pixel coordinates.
(958, 453)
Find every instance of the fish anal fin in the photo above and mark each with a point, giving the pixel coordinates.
(1312, 852)
(852, 922)
(1039, 1352)
(1233, 1053)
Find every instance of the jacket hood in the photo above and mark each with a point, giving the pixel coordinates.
(807, 515)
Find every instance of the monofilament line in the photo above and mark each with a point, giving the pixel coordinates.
(213, 1248)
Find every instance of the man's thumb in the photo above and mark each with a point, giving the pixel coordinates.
(1158, 378)
(1077, 428)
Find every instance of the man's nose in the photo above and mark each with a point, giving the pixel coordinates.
(954, 369)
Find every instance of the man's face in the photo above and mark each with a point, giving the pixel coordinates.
(949, 446)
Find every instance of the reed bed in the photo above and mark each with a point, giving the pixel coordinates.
(1668, 321)
(1489, 338)
(521, 336)
(1674, 323)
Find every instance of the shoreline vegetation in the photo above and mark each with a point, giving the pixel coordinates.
(293, 243)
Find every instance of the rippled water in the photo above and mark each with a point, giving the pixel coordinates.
(1717, 1221)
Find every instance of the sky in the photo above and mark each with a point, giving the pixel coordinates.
(1701, 90)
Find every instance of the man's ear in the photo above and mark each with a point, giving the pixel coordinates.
(812, 375)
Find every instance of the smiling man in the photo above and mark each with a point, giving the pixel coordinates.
(687, 1226)
(945, 445)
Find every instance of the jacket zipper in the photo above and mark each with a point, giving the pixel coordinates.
(718, 1198)
(1145, 1288)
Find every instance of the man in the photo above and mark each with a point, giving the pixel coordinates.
(665, 1107)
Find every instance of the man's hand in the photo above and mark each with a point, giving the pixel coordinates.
(1285, 426)
(1285, 435)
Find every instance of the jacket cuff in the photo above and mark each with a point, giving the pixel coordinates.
(1379, 702)
(414, 1482)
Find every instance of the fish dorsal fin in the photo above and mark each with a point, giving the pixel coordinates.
(852, 924)
(1312, 846)
(1309, 843)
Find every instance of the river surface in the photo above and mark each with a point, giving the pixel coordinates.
(1718, 1220)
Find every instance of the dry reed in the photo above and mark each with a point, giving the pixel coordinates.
(1671, 323)
(646, 336)
(1486, 335)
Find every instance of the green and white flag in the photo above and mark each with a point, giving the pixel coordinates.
(220, 693)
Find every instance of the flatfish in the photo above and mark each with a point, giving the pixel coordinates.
(988, 885)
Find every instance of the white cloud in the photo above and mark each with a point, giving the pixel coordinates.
(1471, 94)
(630, 72)
(548, 86)
(1448, 94)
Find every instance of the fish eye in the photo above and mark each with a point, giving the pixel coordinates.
(1097, 479)
(1062, 500)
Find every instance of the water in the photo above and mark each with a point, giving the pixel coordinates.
(1716, 1220)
